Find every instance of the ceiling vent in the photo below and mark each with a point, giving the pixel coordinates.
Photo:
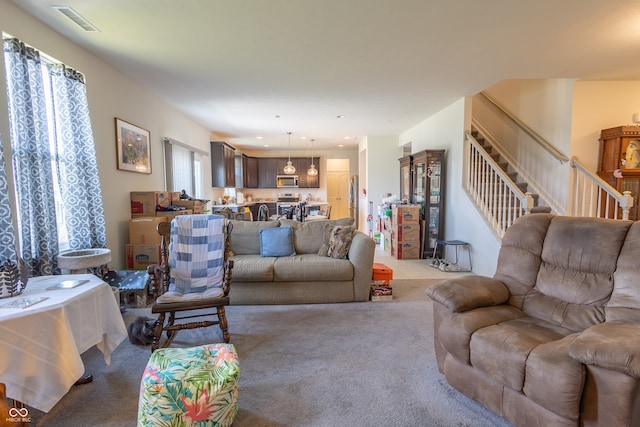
(76, 17)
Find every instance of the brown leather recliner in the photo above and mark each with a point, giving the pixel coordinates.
(553, 339)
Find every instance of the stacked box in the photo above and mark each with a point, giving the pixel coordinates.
(139, 257)
(380, 288)
(382, 273)
(144, 203)
(144, 230)
(381, 293)
(196, 206)
(152, 203)
(405, 232)
(405, 250)
(405, 214)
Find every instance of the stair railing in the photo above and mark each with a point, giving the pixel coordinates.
(593, 197)
(498, 198)
(533, 134)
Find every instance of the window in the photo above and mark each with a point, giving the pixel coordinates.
(183, 168)
(57, 187)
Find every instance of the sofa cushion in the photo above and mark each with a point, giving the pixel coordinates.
(575, 280)
(310, 268)
(277, 241)
(245, 239)
(340, 238)
(308, 236)
(501, 351)
(456, 329)
(252, 268)
(625, 298)
(554, 380)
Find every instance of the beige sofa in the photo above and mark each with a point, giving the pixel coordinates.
(553, 339)
(304, 278)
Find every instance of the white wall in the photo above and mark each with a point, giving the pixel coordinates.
(445, 130)
(110, 94)
(544, 106)
(600, 105)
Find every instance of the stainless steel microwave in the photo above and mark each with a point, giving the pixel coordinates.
(287, 181)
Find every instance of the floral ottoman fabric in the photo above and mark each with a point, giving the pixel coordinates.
(195, 386)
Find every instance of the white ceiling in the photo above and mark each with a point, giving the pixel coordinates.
(386, 65)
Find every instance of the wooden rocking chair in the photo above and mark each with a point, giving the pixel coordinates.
(167, 302)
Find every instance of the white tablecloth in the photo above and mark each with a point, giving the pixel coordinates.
(41, 344)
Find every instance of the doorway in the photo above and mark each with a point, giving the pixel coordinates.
(338, 187)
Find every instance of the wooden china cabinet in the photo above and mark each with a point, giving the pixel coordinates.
(619, 163)
(422, 183)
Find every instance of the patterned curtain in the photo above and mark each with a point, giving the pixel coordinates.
(51, 146)
(77, 164)
(31, 157)
(7, 238)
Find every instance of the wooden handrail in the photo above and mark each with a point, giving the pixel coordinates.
(537, 138)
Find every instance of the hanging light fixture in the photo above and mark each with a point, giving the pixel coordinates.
(289, 169)
(312, 169)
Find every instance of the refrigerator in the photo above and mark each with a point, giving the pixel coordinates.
(353, 199)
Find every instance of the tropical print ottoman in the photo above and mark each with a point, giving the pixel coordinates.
(196, 386)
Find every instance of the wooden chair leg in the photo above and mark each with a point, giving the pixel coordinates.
(157, 332)
(222, 317)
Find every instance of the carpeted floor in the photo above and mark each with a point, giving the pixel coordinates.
(355, 364)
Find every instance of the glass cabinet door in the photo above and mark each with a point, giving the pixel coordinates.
(405, 178)
(434, 202)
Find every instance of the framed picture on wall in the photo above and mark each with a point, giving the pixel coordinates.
(133, 147)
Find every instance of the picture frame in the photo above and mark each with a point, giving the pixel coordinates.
(133, 147)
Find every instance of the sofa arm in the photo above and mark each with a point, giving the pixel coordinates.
(611, 345)
(468, 292)
(361, 255)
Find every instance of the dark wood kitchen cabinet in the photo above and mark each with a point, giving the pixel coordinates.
(304, 180)
(267, 171)
(223, 164)
(249, 171)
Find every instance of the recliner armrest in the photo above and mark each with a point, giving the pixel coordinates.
(468, 292)
(611, 345)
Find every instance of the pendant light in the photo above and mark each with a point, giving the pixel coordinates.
(289, 169)
(312, 169)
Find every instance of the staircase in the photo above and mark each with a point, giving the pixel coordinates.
(502, 195)
(495, 186)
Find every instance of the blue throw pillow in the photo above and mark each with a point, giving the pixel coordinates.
(276, 241)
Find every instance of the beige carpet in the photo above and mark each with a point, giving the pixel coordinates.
(354, 364)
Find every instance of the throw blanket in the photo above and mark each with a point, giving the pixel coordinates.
(196, 253)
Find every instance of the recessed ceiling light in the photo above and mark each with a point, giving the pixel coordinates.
(258, 137)
(347, 137)
(303, 137)
(340, 145)
(265, 145)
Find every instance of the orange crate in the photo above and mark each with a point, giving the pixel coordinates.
(382, 272)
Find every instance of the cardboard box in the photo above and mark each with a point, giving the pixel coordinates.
(382, 273)
(381, 293)
(406, 233)
(196, 206)
(405, 214)
(172, 214)
(405, 250)
(139, 257)
(144, 203)
(143, 230)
